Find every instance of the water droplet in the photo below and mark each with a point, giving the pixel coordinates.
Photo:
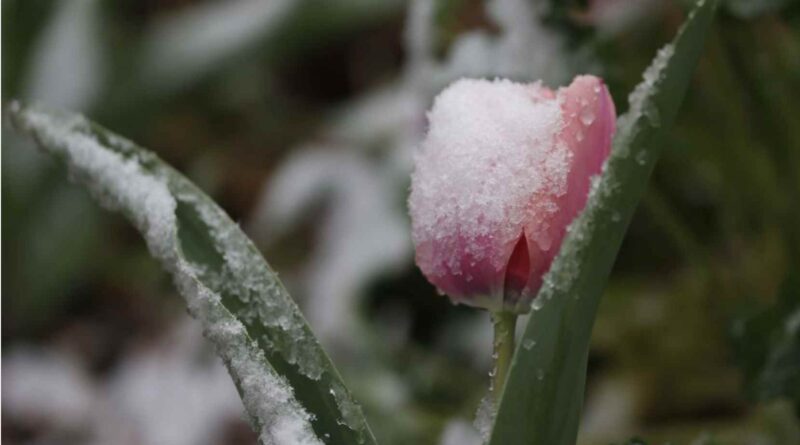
(540, 374)
(537, 304)
(528, 344)
(652, 114)
(587, 116)
(579, 136)
(641, 157)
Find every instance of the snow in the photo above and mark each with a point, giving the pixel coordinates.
(639, 101)
(169, 392)
(480, 164)
(484, 417)
(162, 392)
(191, 43)
(364, 155)
(363, 235)
(525, 49)
(48, 387)
(459, 432)
(66, 67)
(118, 179)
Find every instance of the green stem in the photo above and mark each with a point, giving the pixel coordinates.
(504, 328)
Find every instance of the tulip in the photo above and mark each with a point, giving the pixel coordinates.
(503, 170)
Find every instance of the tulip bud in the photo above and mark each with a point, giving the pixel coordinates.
(503, 170)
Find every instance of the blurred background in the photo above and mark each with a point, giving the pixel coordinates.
(299, 117)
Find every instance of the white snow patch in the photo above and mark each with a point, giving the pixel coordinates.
(363, 235)
(167, 394)
(47, 386)
(484, 418)
(639, 100)
(191, 43)
(525, 49)
(66, 68)
(480, 164)
(459, 432)
(119, 181)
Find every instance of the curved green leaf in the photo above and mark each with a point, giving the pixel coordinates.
(289, 387)
(542, 400)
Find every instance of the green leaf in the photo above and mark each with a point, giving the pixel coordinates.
(748, 9)
(541, 403)
(289, 387)
(767, 347)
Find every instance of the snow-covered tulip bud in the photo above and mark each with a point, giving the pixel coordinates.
(503, 170)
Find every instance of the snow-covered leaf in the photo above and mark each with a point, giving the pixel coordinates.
(289, 387)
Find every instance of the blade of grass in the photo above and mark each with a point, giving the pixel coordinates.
(542, 400)
(291, 390)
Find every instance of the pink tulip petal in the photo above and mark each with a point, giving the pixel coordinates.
(503, 170)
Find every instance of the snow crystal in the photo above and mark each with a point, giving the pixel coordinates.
(120, 182)
(272, 406)
(484, 418)
(480, 164)
(639, 100)
(242, 275)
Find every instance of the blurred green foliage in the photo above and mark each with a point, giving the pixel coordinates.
(767, 346)
(695, 321)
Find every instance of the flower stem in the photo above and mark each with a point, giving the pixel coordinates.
(504, 329)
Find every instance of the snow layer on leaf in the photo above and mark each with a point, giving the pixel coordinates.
(639, 101)
(118, 178)
(269, 398)
(484, 417)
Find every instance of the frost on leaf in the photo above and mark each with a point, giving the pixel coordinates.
(125, 178)
(640, 99)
